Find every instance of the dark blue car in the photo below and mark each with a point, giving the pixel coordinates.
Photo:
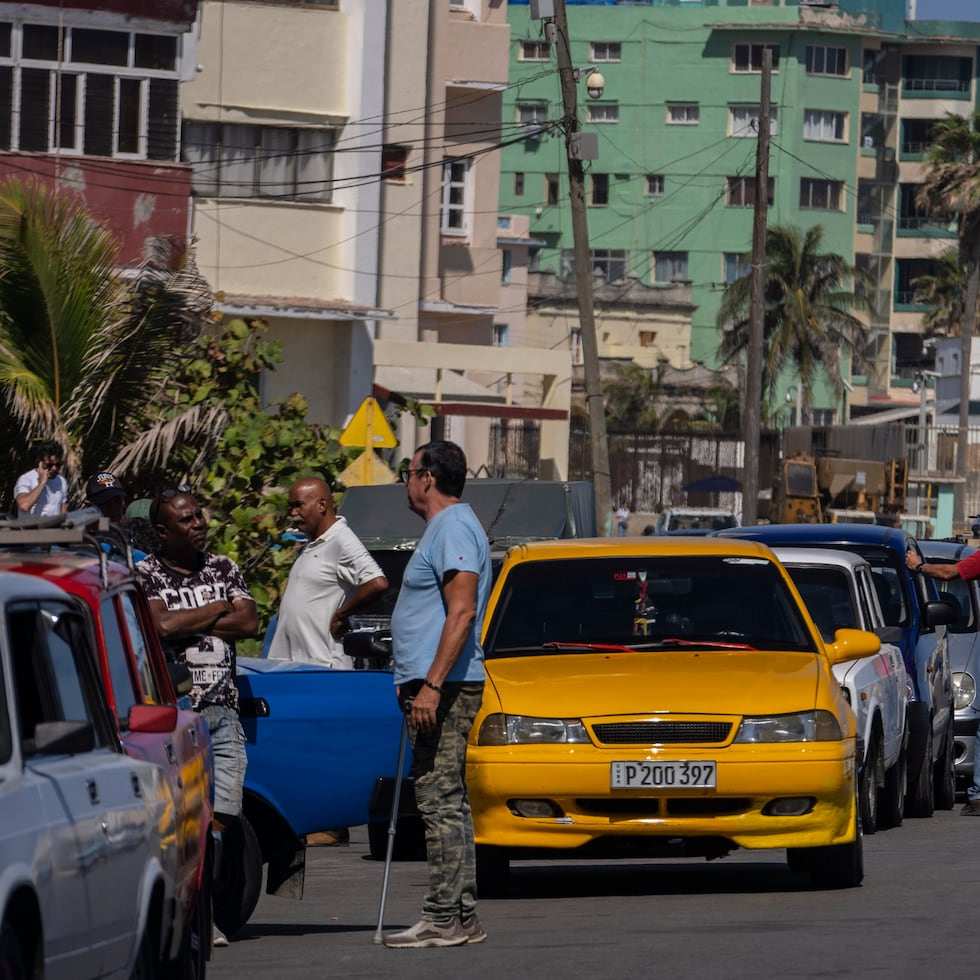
(913, 608)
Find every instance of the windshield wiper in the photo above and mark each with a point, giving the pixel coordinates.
(578, 645)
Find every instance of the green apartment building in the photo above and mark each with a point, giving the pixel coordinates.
(855, 91)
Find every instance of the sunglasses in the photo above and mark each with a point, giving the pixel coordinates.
(167, 494)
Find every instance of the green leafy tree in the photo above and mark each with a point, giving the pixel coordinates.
(808, 323)
(242, 473)
(951, 189)
(633, 396)
(81, 349)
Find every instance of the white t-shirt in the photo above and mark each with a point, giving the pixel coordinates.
(52, 497)
(324, 574)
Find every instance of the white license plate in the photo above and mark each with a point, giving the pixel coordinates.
(663, 775)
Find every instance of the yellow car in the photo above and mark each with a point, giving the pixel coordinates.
(661, 697)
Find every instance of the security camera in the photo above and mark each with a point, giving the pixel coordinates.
(595, 84)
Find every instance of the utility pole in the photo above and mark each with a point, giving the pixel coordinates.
(595, 403)
(752, 415)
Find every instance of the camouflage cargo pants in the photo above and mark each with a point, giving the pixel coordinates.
(439, 768)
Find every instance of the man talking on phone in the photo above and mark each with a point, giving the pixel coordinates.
(43, 491)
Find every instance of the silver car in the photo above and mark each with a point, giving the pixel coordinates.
(964, 651)
(88, 857)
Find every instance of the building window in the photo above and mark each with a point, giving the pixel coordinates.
(534, 51)
(232, 160)
(740, 191)
(648, 338)
(670, 266)
(822, 60)
(600, 190)
(533, 116)
(607, 263)
(393, 162)
(825, 125)
(683, 114)
(936, 73)
(575, 343)
(826, 195)
(518, 184)
(602, 112)
(655, 185)
(606, 51)
(455, 196)
(748, 57)
(743, 121)
(119, 81)
(737, 265)
(501, 335)
(551, 188)
(916, 136)
(506, 265)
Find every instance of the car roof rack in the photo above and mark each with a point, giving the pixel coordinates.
(87, 526)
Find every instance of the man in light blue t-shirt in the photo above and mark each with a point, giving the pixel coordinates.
(439, 677)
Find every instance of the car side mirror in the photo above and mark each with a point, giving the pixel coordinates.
(852, 645)
(940, 613)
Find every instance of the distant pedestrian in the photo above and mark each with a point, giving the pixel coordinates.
(105, 492)
(622, 518)
(43, 491)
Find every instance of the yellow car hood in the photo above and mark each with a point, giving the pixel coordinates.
(729, 682)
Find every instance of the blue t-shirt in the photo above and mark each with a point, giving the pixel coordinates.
(454, 540)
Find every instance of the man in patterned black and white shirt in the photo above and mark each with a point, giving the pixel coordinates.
(200, 605)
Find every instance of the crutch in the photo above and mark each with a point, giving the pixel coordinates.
(392, 825)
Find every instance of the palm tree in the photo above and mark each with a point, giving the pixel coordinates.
(944, 291)
(83, 351)
(808, 324)
(952, 189)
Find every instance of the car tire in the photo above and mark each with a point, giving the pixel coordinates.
(798, 859)
(191, 961)
(239, 878)
(839, 865)
(492, 871)
(13, 965)
(891, 800)
(921, 801)
(945, 775)
(147, 965)
(868, 783)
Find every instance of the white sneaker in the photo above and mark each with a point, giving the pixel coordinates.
(218, 938)
(426, 933)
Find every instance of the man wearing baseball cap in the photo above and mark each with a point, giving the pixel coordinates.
(105, 492)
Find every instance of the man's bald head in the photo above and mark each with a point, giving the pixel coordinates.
(311, 506)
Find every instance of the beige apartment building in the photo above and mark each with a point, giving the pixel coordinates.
(345, 162)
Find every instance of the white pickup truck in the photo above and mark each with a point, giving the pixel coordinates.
(839, 591)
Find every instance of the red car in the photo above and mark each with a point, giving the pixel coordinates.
(135, 672)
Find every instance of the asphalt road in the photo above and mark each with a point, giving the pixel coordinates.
(744, 916)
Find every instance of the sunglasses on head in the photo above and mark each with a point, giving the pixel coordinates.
(167, 494)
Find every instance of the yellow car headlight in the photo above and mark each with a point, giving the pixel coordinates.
(806, 726)
(964, 690)
(501, 729)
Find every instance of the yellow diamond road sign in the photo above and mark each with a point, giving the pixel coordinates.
(369, 428)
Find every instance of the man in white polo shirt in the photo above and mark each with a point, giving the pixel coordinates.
(332, 577)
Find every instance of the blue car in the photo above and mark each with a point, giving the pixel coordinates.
(964, 651)
(318, 740)
(914, 609)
